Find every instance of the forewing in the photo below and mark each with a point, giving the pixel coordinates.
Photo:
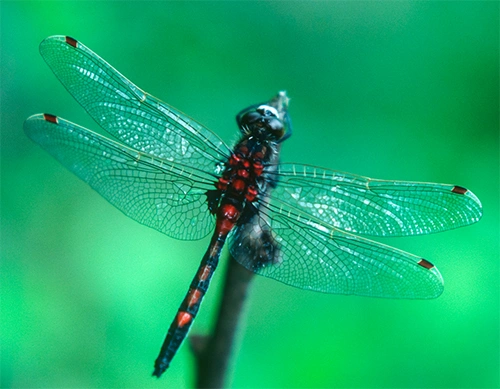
(163, 195)
(374, 207)
(306, 253)
(131, 115)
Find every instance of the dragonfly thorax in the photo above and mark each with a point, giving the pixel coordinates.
(241, 178)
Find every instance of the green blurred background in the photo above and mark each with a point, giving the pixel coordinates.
(394, 90)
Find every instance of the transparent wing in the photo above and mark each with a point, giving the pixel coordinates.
(163, 195)
(374, 207)
(131, 115)
(304, 252)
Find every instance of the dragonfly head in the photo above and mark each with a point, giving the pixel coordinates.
(263, 122)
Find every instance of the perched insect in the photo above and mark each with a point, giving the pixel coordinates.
(295, 223)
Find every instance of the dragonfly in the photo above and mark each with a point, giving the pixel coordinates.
(302, 225)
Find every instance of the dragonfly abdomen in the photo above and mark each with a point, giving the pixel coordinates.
(190, 305)
(227, 216)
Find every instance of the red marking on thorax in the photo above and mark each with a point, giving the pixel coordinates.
(50, 118)
(222, 183)
(257, 168)
(251, 193)
(425, 263)
(234, 160)
(183, 318)
(243, 173)
(238, 185)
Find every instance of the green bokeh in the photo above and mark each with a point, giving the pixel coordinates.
(395, 90)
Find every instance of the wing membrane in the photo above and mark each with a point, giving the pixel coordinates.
(165, 196)
(131, 115)
(375, 207)
(309, 254)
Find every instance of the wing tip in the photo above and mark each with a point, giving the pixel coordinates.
(31, 124)
(460, 190)
(438, 282)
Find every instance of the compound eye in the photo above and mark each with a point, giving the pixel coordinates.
(276, 127)
(251, 117)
